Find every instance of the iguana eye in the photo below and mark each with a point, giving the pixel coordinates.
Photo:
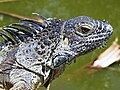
(84, 30)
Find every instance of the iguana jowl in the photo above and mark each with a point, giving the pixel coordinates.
(34, 53)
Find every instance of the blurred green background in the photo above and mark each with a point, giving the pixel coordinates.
(76, 76)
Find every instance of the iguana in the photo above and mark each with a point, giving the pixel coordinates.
(34, 53)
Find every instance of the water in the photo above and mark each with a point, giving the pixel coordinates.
(76, 77)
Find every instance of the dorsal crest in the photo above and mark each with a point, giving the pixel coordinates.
(19, 32)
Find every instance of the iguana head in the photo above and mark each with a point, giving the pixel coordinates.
(85, 34)
(80, 36)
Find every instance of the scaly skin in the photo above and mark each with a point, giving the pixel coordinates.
(34, 53)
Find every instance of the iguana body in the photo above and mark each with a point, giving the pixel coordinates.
(34, 53)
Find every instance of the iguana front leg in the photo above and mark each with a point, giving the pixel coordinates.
(1, 87)
(21, 85)
(24, 80)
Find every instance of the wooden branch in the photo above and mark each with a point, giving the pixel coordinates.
(108, 57)
(19, 16)
(6, 1)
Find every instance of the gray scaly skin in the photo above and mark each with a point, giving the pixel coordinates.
(36, 53)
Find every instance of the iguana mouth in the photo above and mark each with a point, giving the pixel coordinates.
(103, 44)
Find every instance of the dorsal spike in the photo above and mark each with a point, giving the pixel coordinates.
(25, 27)
(43, 25)
(14, 33)
(45, 20)
(22, 31)
(7, 38)
(40, 16)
